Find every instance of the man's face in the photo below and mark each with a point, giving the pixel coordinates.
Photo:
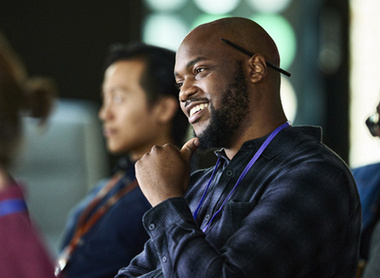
(213, 93)
(128, 120)
(226, 120)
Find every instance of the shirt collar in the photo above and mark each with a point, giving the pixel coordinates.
(287, 136)
(124, 163)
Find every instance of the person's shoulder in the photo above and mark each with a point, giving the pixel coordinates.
(306, 153)
(295, 139)
(306, 132)
(99, 185)
(367, 169)
(304, 143)
(11, 191)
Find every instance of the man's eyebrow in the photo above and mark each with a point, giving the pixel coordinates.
(191, 63)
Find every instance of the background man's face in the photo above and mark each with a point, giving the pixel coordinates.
(129, 125)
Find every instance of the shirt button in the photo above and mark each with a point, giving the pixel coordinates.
(151, 227)
(207, 217)
(229, 173)
(164, 259)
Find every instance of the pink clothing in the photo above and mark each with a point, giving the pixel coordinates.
(22, 253)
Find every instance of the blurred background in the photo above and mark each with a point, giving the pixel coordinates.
(331, 47)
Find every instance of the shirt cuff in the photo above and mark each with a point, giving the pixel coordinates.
(171, 212)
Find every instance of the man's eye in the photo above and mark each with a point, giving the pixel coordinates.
(179, 85)
(117, 99)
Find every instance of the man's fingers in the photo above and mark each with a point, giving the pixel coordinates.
(189, 148)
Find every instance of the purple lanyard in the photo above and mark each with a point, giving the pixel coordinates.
(247, 168)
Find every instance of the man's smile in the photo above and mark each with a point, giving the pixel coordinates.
(197, 108)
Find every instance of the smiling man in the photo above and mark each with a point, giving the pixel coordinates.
(278, 202)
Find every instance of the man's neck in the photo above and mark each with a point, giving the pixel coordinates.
(252, 133)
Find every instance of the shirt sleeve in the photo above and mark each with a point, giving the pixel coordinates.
(146, 264)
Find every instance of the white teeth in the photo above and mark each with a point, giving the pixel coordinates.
(198, 108)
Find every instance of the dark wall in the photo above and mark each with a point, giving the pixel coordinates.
(67, 40)
(336, 74)
(320, 72)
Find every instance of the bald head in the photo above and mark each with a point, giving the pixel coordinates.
(242, 31)
(206, 41)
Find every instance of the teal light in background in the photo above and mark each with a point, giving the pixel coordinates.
(165, 30)
(217, 6)
(282, 33)
(269, 6)
(165, 5)
(204, 18)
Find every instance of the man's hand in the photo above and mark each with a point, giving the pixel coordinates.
(164, 172)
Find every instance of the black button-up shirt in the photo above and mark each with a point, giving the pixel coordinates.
(295, 214)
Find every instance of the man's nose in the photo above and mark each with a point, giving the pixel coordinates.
(188, 89)
(104, 112)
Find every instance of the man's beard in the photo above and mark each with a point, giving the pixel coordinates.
(225, 121)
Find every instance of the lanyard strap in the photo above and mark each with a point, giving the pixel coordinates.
(245, 171)
(84, 216)
(204, 193)
(86, 222)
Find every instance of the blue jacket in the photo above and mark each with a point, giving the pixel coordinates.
(115, 239)
(368, 182)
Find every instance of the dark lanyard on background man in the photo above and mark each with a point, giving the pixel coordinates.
(247, 168)
(86, 222)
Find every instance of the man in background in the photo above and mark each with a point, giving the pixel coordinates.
(368, 182)
(140, 109)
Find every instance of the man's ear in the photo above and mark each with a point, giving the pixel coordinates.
(165, 109)
(258, 68)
